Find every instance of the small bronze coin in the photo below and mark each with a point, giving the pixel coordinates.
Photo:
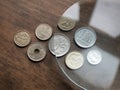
(66, 24)
(43, 32)
(74, 60)
(36, 52)
(22, 39)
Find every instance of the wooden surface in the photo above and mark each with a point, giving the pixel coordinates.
(17, 72)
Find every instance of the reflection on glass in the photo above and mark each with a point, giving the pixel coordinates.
(106, 17)
(103, 74)
(73, 12)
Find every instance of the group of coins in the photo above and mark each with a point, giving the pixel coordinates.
(36, 51)
(84, 37)
(59, 44)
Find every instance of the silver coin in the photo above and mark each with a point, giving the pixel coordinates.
(59, 44)
(22, 39)
(74, 60)
(85, 37)
(94, 57)
(43, 32)
(66, 24)
(36, 52)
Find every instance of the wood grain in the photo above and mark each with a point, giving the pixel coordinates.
(17, 72)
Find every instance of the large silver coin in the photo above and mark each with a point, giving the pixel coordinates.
(85, 37)
(36, 52)
(43, 32)
(66, 24)
(94, 57)
(74, 60)
(59, 45)
(22, 39)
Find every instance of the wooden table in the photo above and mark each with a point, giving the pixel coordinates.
(17, 72)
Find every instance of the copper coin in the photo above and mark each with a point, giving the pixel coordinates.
(22, 39)
(66, 24)
(43, 31)
(74, 60)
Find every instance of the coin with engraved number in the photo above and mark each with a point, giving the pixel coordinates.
(85, 37)
(94, 57)
(74, 60)
(59, 44)
(43, 31)
(36, 52)
(22, 39)
(66, 24)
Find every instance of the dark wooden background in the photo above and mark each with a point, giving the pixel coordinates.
(17, 72)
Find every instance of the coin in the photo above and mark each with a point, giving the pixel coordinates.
(66, 24)
(22, 39)
(94, 57)
(43, 31)
(36, 52)
(85, 37)
(74, 60)
(59, 44)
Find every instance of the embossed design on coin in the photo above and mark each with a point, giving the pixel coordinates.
(43, 31)
(22, 39)
(94, 57)
(66, 24)
(85, 37)
(59, 45)
(74, 60)
(36, 52)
